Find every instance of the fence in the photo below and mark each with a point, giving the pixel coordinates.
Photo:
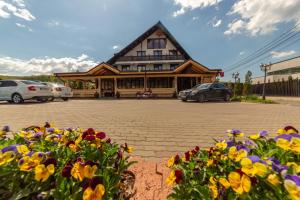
(281, 88)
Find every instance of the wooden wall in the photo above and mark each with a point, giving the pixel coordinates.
(282, 88)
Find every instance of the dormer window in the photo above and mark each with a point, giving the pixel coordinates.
(157, 43)
(141, 53)
(125, 68)
(173, 52)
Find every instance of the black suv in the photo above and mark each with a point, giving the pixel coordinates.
(206, 91)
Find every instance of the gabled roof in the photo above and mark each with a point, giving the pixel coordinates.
(198, 67)
(94, 71)
(146, 34)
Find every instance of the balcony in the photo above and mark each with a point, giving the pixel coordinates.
(150, 58)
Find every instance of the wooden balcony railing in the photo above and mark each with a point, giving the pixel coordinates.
(152, 57)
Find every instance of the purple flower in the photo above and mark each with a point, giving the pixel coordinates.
(12, 147)
(263, 133)
(254, 158)
(6, 129)
(230, 143)
(38, 134)
(50, 130)
(295, 135)
(242, 147)
(284, 136)
(294, 178)
(276, 166)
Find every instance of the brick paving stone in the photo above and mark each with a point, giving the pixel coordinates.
(155, 128)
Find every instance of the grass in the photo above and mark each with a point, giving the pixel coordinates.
(251, 99)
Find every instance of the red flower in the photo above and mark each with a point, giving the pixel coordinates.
(187, 156)
(66, 172)
(179, 176)
(90, 131)
(176, 159)
(90, 137)
(101, 135)
(197, 148)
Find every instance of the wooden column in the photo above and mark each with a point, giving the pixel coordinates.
(175, 82)
(99, 87)
(115, 85)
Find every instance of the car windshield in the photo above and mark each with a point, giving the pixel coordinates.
(202, 86)
(31, 83)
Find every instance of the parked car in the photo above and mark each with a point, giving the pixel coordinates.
(60, 91)
(206, 91)
(16, 91)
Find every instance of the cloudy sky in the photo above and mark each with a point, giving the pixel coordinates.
(46, 36)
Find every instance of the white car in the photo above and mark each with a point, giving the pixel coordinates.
(59, 90)
(16, 91)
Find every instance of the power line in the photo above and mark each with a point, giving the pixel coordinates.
(269, 46)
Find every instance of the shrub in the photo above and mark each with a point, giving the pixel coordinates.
(50, 163)
(256, 168)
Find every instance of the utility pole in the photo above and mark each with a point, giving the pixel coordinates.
(265, 68)
(235, 76)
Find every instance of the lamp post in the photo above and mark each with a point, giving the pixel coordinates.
(265, 68)
(235, 76)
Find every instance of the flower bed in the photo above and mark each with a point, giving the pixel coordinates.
(50, 163)
(256, 168)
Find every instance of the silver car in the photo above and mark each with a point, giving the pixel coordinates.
(17, 91)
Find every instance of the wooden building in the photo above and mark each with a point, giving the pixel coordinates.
(154, 61)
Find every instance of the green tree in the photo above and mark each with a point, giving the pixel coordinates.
(247, 84)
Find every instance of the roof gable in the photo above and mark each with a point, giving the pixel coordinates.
(193, 66)
(145, 35)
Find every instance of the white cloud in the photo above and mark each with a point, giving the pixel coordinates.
(282, 54)
(116, 47)
(54, 23)
(16, 8)
(195, 18)
(24, 26)
(257, 17)
(46, 65)
(192, 4)
(74, 27)
(242, 53)
(215, 22)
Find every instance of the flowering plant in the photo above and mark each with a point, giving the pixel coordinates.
(50, 163)
(254, 168)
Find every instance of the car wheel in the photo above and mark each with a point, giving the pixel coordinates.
(65, 98)
(51, 99)
(42, 100)
(201, 98)
(227, 97)
(184, 100)
(17, 98)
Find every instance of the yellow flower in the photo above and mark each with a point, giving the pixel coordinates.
(261, 169)
(224, 182)
(273, 179)
(236, 155)
(89, 171)
(293, 189)
(239, 184)
(171, 179)
(224, 157)
(213, 191)
(295, 144)
(171, 161)
(22, 149)
(213, 180)
(247, 167)
(295, 166)
(78, 171)
(281, 131)
(73, 147)
(42, 172)
(96, 194)
(283, 143)
(221, 145)
(27, 163)
(6, 157)
(254, 137)
(210, 162)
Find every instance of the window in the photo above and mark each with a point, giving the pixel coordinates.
(141, 53)
(158, 67)
(173, 66)
(141, 68)
(129, 83)
(173, 52)
(161, 82)
(157, 53)
(125, 68)
(8, 84)
(158, 43)
(31, 83)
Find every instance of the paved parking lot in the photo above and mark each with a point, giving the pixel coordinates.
(155, 128)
